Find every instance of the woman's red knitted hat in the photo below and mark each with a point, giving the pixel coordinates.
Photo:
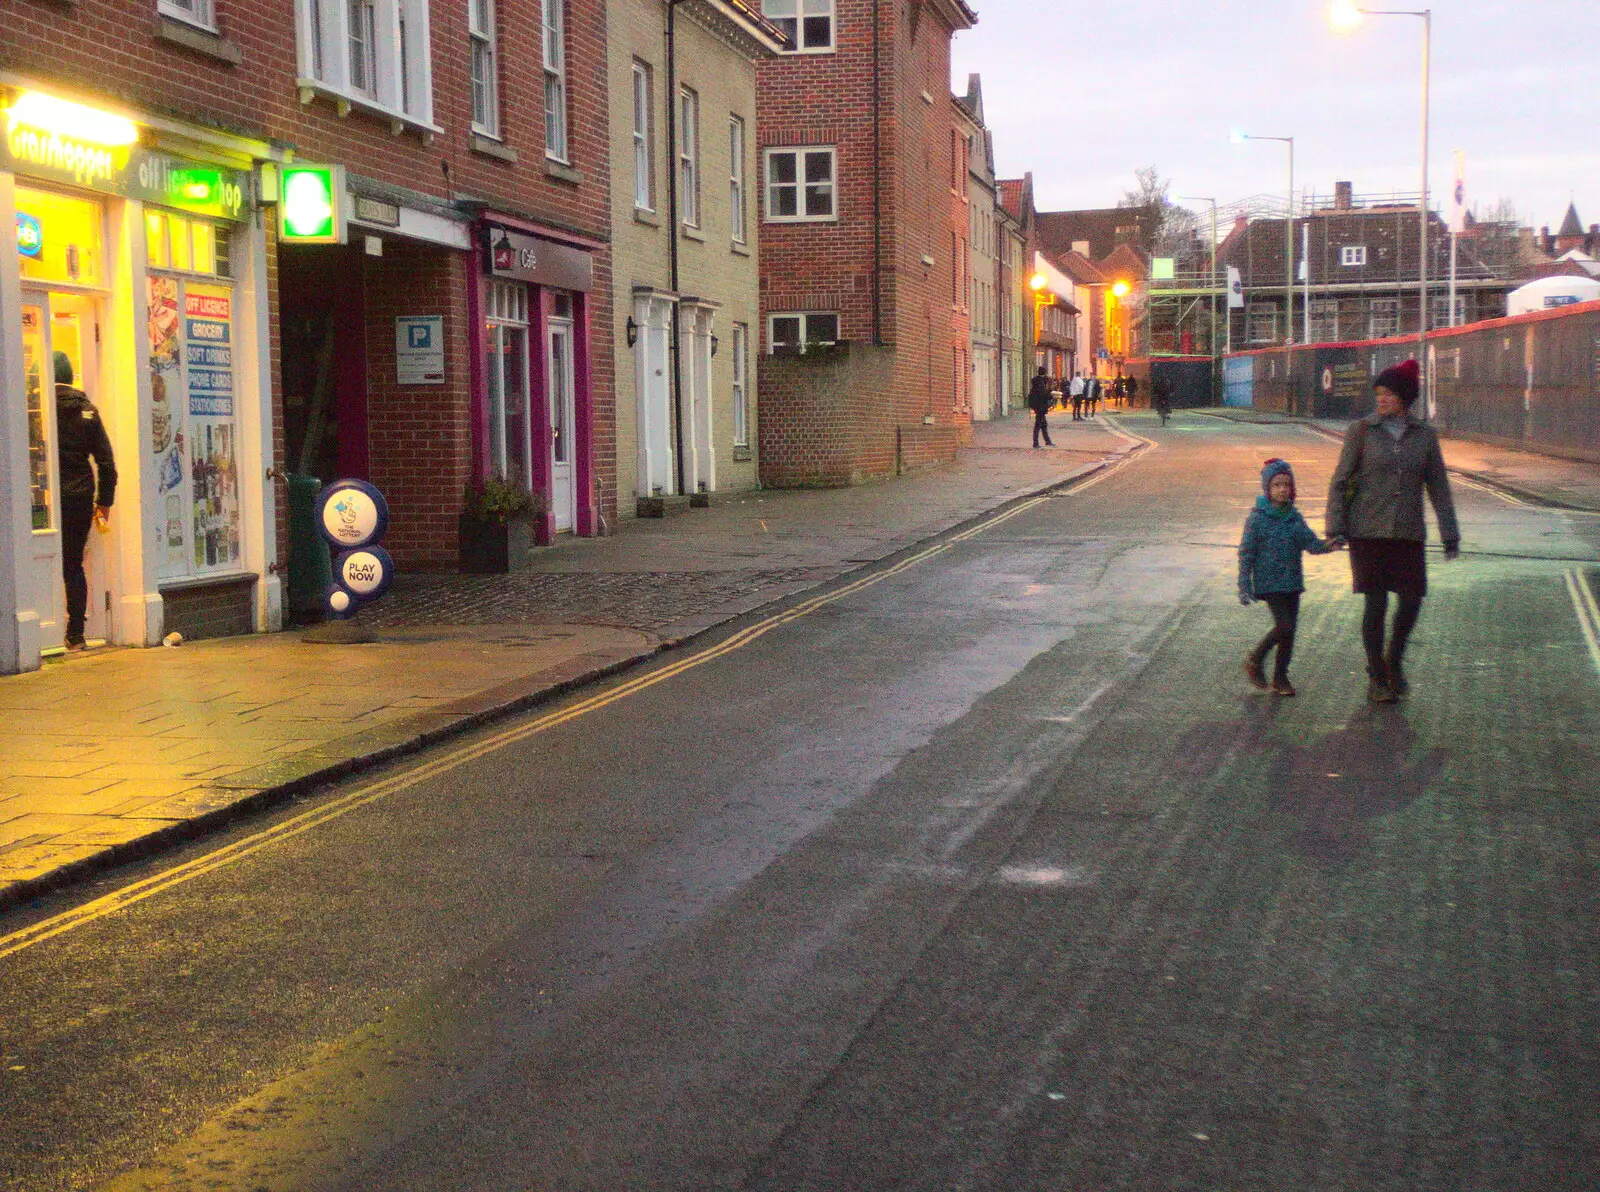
(1404, 380)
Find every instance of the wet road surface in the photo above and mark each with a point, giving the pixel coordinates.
(985, 871)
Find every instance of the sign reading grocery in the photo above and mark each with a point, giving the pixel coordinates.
(70, 142)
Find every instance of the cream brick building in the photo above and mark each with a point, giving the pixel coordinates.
(683, 120)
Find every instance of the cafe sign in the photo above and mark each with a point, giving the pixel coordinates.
(56, 139)
(542, 262)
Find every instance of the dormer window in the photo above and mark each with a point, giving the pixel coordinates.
(1353, 254)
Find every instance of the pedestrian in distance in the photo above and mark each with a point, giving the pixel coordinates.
(1091, 394)
(1375, 503)
(88, 487)
(1076, 390)
(1161, 397)
(1133, 389)
(1040, 398)
(1270, 570)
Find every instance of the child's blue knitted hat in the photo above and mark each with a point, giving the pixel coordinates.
(1273, 468)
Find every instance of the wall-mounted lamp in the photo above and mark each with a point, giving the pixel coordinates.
(713, 345)
(633, 332)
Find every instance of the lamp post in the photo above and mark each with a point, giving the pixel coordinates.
(1288, 234)
(1346, 16)
(1211, 282)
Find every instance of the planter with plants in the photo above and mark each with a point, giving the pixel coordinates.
(498, 522)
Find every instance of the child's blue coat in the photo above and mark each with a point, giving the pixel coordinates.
(1269, 552)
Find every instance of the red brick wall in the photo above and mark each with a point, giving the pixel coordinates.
(826, 99)
(418, 435)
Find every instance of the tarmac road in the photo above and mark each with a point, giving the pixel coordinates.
(983, 871)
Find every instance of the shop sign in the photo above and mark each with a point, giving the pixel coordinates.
(419, 350)
(57, 141)
(542, 262)
(352, 516)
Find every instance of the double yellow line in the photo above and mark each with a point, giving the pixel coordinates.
(99, 908)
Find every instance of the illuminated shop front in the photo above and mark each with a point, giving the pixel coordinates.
(142, 267)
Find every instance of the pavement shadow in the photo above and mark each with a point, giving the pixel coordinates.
(1331, 788)
(1335, 787)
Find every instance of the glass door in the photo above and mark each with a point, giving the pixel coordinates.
(45, 579)
(559, 387)
(506, 371)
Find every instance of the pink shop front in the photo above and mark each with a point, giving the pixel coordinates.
(533, 409)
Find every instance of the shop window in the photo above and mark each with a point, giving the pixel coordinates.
(184, 244)
(506, 374)
(60, 238)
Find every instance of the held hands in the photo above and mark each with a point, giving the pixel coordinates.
(1337, 542)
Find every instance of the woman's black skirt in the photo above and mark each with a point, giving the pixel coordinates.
(1389, 565)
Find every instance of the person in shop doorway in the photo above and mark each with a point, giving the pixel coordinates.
(1040, 398)
(88, 487)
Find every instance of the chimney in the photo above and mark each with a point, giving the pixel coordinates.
(1344, 197)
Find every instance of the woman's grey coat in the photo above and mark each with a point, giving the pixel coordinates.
(1389, 484)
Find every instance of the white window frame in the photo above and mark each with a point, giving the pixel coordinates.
(644, 166)
(199, 13)
(1353, 255)
(1391, 311)
(738, 222)
(791, 17)
(801, 154)
(739, 395)
(1254, 314)
(1324, 320)
(553, 23)
(483, 39)
(805, 317)
(1441, 307)
(402, 83)
(689, 156)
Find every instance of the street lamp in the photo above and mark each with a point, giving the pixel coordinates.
(1345, 16)
(1211, 283)
(1238, 138)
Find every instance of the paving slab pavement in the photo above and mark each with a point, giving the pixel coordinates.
(1543, 479)
(117, 752)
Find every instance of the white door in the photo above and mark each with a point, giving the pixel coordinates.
(559, 387)
(653, 389)
(702, 461)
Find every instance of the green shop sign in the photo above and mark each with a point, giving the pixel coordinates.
(131, 171)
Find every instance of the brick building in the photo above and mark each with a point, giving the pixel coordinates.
(463, 330)
(1363, 259)
(1105, 253)
(987, 396)
(687, 308)
(863, 283)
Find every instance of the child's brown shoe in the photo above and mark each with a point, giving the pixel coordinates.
(1253, 672)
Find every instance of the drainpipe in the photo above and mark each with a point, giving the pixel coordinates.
(672, 239)
(877, 184)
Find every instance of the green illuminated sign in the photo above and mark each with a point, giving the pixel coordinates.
(311, 204)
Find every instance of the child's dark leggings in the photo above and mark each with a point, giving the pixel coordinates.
(1285, 608)
(1405, 620)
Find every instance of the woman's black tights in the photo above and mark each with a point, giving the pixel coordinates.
(1405, 620)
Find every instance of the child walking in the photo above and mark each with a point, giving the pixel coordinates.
(1275, 534)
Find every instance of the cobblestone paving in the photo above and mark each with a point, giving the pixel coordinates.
(637, 600)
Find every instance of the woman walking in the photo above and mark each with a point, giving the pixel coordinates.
(1375, 503)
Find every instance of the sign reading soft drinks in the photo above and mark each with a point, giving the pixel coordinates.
(352, 516)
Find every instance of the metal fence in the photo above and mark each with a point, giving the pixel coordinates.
(1531, 381)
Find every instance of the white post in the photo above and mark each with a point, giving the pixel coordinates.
(19, 616)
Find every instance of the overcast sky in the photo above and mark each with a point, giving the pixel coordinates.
(1082, 93)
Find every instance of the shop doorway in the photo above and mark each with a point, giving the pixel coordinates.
(559, 384)
(69, 323)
